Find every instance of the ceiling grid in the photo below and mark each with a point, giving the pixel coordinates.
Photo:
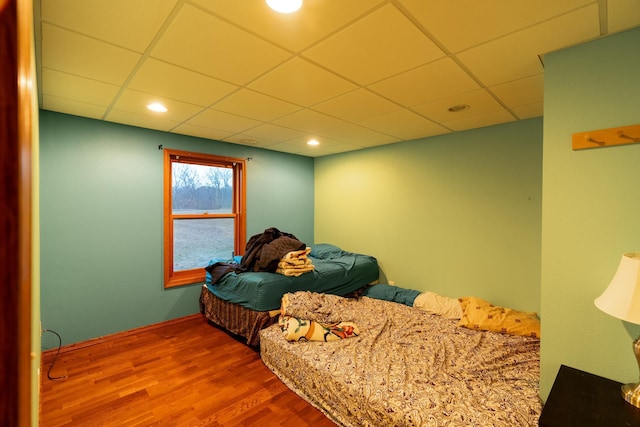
(350, 74)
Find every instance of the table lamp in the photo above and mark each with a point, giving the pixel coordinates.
(621, 299)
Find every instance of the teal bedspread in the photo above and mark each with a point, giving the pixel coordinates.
(336, 272)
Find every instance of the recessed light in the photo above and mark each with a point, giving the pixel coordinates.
(284, 6)
(458, 108)
(313, 142)
(157, 107)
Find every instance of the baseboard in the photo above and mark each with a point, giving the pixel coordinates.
(49, 354)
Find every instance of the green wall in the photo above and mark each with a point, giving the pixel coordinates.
(591, 206)
(457, 214)
(102, 222)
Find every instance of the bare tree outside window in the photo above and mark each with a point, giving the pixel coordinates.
(199, 189)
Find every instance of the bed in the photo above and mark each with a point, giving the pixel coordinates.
(403, 365)
(244, 303)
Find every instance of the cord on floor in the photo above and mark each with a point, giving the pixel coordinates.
(55, 357)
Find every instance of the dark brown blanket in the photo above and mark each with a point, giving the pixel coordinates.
(262, 253)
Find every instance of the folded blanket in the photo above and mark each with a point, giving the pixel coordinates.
(295, 271)
(295, 263)
(295, 329)
(301, 263)
(295, 255)
(322, 308)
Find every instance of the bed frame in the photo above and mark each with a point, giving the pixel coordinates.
(239, 320)
(244, 303)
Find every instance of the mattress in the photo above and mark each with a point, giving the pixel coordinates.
(411, 368)
(336, 271)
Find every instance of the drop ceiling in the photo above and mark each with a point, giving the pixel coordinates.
(351, 74)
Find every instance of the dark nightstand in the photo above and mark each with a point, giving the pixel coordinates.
(581, 399)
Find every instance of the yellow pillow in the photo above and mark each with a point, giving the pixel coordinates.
(481, 315)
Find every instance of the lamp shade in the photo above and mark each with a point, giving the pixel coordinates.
(621, 299)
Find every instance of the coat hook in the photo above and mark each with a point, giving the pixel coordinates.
(621, 134)
(600, 138)
(589, 139)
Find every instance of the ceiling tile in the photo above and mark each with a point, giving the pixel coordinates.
(529, 111)
(480, 102)
(432, 81)
(358, 135)
(126, 23)
(623, 14)
(271, 132)
(201, 42)
(314, 151)
(334, 149)
(201, 131)
(295, 31)
(223, 121)
(404, 124)
(308, 121)
(361, 104)
(71, 106)
(529, 90)
(397, 43)
(249, 140)
(63, 85)
(73, 53)
(477, 22)
(492, 65)
(140, 120)
(287, 147)
(474, 122)
(177, 83)
(302, 83)
(326, 146)
(136, 102)
(255, 105)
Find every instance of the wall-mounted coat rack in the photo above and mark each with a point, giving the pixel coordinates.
(606, 137)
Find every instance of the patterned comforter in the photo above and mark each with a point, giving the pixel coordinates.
(411, 368)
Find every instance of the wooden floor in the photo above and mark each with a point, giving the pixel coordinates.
(184, 373)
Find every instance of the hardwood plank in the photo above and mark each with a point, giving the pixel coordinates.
(185, 373)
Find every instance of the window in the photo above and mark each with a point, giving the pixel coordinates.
(204, 213)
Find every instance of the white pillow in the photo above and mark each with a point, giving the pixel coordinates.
(438, 304)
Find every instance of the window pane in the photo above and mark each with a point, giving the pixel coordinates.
(197, 241)
(200, 189)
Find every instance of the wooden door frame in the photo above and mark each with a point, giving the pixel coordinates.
(17, 82)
